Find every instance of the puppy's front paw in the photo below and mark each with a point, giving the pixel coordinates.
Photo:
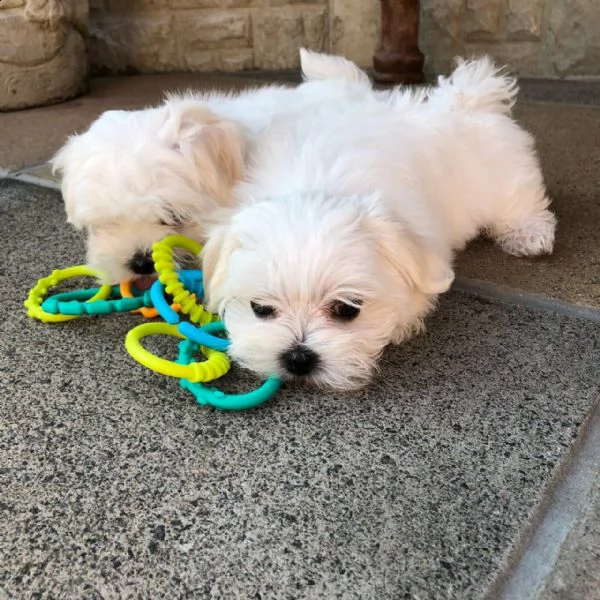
(532, 236)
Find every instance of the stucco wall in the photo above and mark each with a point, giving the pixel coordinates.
(552, 38)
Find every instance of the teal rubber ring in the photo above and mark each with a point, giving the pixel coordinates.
(54, 305)
(210, 396)
(80, 295)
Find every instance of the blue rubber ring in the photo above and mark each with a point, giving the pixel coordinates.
(192, 279)
(157, 294)
(202, 336)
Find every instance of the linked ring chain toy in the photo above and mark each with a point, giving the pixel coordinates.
(202, 334)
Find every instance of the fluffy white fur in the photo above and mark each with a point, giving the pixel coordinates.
(326, 196)
(137, 176)
(365, 203)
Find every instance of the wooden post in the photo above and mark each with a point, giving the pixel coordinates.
(398, 59)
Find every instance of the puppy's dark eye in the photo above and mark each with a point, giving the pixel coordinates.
(262, 311)
(345, 312)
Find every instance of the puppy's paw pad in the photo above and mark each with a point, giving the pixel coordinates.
(533, 236)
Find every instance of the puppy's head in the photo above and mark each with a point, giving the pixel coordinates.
(136, 176)
(313, 288)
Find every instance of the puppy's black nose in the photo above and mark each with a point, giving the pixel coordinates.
(141, 263)
(300, 360)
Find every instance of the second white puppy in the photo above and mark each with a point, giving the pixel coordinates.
(136, 176)
(345, 231)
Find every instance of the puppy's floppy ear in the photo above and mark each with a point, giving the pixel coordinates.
(414, 259)
(215, 145)
(222, 243)
(223, 141)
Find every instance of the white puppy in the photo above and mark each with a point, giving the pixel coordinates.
(136, 176)
(344, 231)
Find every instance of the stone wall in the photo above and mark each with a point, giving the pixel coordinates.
(42, 51)
(552, 38)
(228, 35)
(541, 38)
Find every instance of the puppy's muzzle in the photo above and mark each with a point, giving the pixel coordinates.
(141, 263)
(300, 360)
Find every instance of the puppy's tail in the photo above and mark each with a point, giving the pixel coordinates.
(317, 66)
(477, 85)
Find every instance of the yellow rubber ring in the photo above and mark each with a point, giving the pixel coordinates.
(215, 365)
(33, 304)
(162, 254)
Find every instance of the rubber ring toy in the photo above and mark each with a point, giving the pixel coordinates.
(33, 304)
(145, 309)
(162, 254)
(202, 336)
(80, 295)
(215, 365)
(212, 396)
(191, 279)
(80, 303)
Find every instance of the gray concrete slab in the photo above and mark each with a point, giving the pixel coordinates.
(567, 139)
(560, 560)
(576, 573)
(113, 483)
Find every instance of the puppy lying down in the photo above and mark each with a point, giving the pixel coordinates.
(330, 212)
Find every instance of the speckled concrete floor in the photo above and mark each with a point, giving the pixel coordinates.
(114, 483)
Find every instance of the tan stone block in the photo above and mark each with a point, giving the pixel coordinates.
(211, 30)
(238, 59)
(483, 20)
(24, 42)
(292, 2)
(11, 3)
(222, 4)
(131, 5)
(440, 34)
(524, 19)
(314, 23)
(60, 78)
(81, 15)
(280, 32)
(144, 43)
(355, 26)
(573, 46)
(521, 58)
(206, 60)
